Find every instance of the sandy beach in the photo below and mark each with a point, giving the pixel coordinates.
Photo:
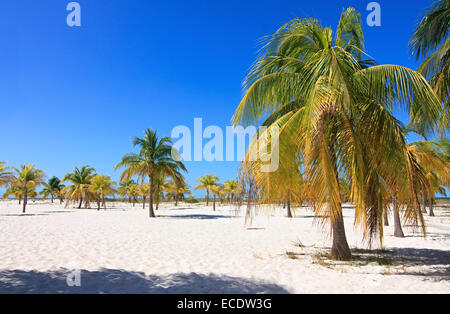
(191, 249)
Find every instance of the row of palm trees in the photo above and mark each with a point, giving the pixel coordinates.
(339, 139)
(228, 190)
(154, 163)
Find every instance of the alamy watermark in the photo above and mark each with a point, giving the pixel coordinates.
(227, 146)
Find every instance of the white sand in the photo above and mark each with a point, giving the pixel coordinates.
(191, 249)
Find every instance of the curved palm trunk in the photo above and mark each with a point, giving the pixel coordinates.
(81, 202)
(151, 212)
(398, 232)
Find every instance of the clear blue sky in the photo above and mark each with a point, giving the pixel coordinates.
(76, 96)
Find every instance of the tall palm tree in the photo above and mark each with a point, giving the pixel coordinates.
(334, 109)
(27, 178)
(5, 174)
(431, 41)
(155, 157)
(79, 189)
(102, 186)
(53, 188)
(206, 182)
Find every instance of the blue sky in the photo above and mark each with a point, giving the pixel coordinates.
(76, 96)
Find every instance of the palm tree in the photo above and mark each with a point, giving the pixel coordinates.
(215, 190)
(79, 189)
(334, 110)
(206, 182)
(133, 192)
(53, 188)
(230, 188)
(123, 190)
(5, 174)
(102, 186)
(143, 191)
(431, 41)
(14, 190)
(27, 178)
(177, 190)
(155, 157)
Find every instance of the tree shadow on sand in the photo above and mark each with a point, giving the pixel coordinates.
(195, 216)
(121, 281)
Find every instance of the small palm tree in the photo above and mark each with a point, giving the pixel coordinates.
(133, 192)
(230, 188)
(16, 191)
(155, 158)
(27, 178)
(215, 190)
(177, 189)
(53, 188)
(206, 182)
(102, 186)
(79, 189)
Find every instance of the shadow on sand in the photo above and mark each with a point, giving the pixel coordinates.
(195, 216)
(120, 281)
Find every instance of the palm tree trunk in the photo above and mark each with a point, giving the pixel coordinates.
(289, 211)
(340, 249)
(52, 198)
(176, 200)
(98, 203)
(103, 201)
(214, 202)
(151, 212)
(398, 232)
(143, 203)
(386, 218)
(424, 203)
(207, 197)
(134, 201)
(25, 198)
(81, 202)
(430, 206)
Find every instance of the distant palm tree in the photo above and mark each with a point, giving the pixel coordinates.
(215, 190)
(79, 189)
(431, 41)
(230, 188)
(177, 190)
(14, 190)
(123, 190)
(5, 174)
(334, 109)
(102, 186)
(27, 178)
(206, 182)
(53, 188)
(154, 158)
(143, 189)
